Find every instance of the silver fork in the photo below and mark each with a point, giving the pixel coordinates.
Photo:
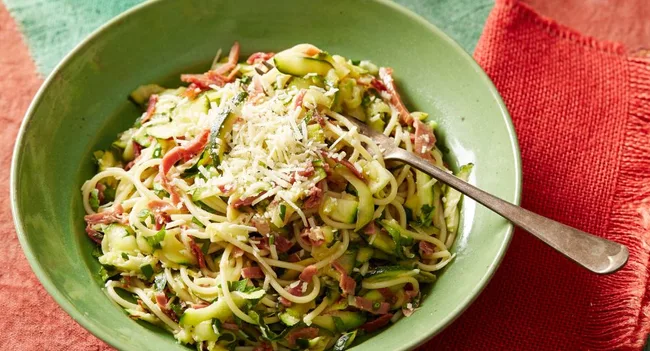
(592, 252)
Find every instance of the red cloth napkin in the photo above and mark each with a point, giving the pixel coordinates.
(581, 109)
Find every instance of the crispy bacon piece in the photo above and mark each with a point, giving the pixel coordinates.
(294, 258)
(353, 169)
(372, 307)
(204, 80)
(314, 235)
(308, 171)
(247, 201)
(426, 248)
(377, 323)
(226, 189)
(304, 333)
(252, 273)
(105, 217)
(346, 283)
(162, 302)
(196, 251)
(386, 75)
(100, 192)
(161, 211)
(345, 163)
(308, 273)
(259, 57)
(370, 229)
(299, 98)
(378, 85)
(282, 244)
(295, 291)
(151, 107)
(388, 295)
(410, 292)
(176, 154)
(424, 140)
(160, 206)
(315, 196)
(318, 118)
(137, 151)
(261, 224)
(161, 219)
(216, 77)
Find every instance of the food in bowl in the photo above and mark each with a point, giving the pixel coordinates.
(245, 211)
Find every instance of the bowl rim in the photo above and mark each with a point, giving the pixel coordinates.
(90, 326)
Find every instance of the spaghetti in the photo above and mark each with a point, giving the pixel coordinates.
(244, 211)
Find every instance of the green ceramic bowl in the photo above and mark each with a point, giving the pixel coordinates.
(83, 105)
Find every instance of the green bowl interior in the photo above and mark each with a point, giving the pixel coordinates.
(83, 105)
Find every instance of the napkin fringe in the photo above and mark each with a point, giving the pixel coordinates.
(621, 312)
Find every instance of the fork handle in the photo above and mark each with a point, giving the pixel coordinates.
(594, 253)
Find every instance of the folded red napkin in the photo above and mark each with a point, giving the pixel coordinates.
(581, 109)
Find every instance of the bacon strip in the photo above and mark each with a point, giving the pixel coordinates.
(162, 302)
(377, 323)
(176, 154)
(378, 85)
(304, 333)
(425, 141)
(247, 201)
(299, 98)
(424, 138)
(213, 77)
(161, 211)
(386, 75)
(367, 305)
(252, 273)
(295, 291)
(345, 163)
(259, 57)
(105, 217)
(261, 224)
(315, 235)
(370, 229)
(151, 107)
(281, 243)
(204, 80)
(196, 251)
(347, 284)
(315, 196)
(426, 248)
(388, 295)
(308, 273)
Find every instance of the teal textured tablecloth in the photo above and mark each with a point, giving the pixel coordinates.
(53, 27)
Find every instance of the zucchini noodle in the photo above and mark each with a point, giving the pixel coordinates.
(246, 212)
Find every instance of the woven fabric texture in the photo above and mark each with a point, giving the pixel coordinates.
(581, 110)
